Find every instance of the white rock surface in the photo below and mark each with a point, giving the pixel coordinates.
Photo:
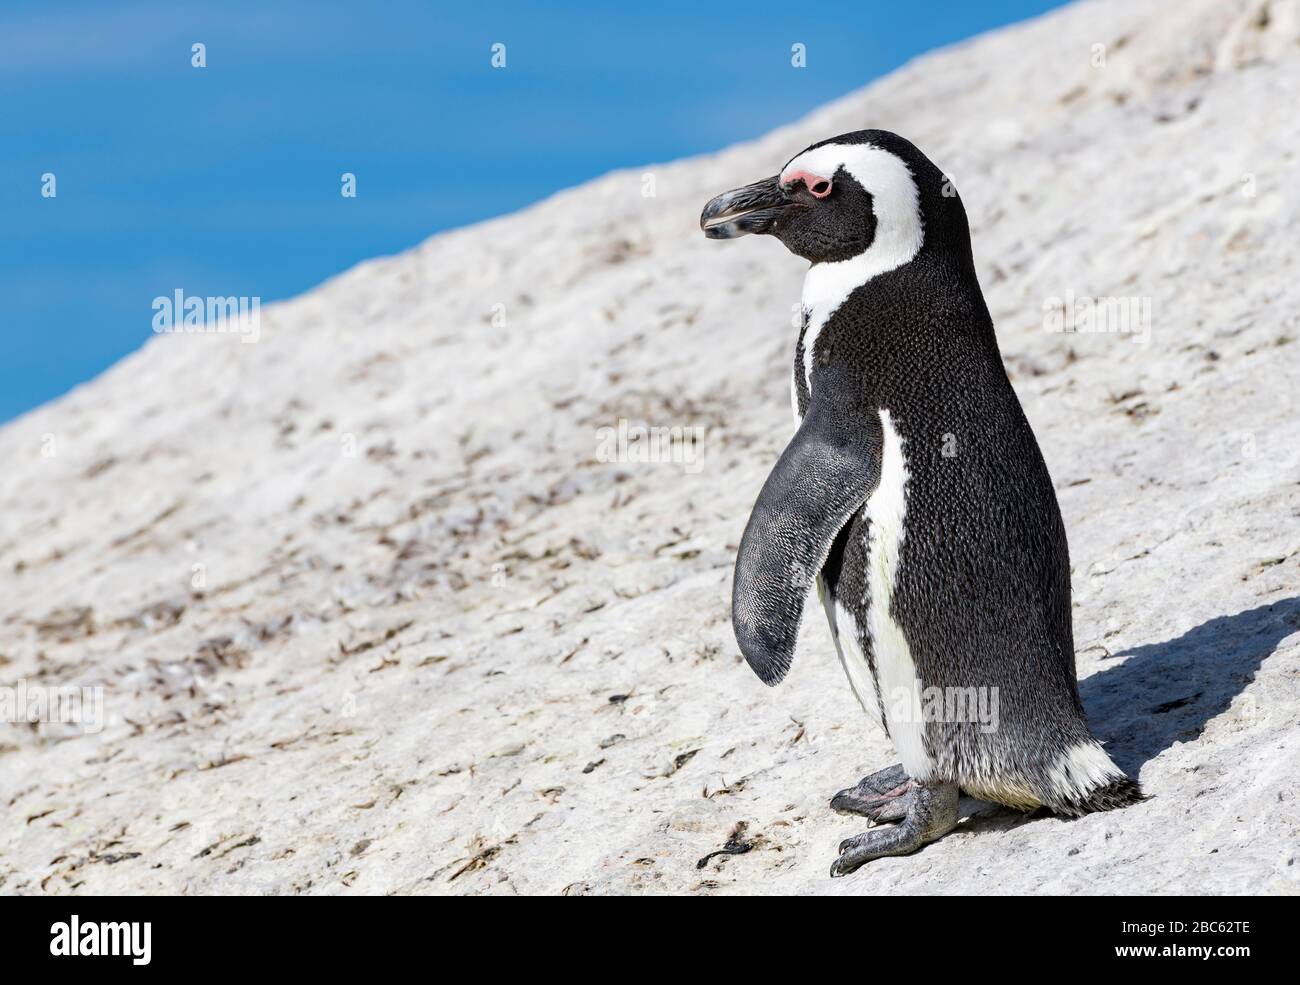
(473, 658)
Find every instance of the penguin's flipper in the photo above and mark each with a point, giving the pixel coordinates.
(822, 479)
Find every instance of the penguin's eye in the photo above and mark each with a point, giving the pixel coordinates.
(821, 188)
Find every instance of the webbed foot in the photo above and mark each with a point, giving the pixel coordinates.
(930, 811)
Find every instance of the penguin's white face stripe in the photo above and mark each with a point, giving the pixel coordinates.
(894, 199)
(898, 237)
(900, 689)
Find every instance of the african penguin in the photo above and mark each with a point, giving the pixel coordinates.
(915, 497)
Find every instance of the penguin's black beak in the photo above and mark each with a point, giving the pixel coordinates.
(752, 209)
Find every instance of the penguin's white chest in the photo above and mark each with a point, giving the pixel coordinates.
(891, 691)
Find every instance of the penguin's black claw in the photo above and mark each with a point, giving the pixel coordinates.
(873, 794)
(930, 811)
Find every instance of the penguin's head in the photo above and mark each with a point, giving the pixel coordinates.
(869, 193)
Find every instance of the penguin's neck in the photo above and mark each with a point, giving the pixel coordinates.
(922, 282)
(915, 305)
(828, 286)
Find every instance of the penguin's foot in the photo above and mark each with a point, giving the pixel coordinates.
(931, 811)
(874, 794)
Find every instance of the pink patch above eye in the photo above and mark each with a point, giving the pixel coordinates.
(818, 186)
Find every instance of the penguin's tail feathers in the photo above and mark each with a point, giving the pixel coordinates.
(1120, 792)
(1084, 779)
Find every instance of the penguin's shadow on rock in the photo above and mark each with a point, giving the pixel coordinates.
(1168, 692)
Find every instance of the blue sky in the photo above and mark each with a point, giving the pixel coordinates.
(225, 180)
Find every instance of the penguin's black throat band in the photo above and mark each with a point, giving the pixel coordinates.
(751, 209)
